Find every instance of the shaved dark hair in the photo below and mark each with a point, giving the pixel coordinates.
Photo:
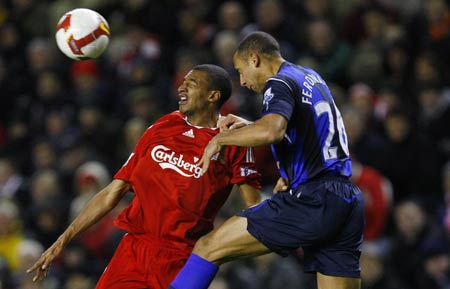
(218, 79)
(259, 42)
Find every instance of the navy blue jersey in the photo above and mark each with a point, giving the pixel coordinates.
(315, 142)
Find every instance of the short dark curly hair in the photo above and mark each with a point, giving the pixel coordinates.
(218, 79)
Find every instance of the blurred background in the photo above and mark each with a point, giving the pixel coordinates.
(66, 127)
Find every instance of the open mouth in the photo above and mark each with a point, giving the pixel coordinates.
(183, 100)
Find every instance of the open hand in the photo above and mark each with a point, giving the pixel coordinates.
(42, 265)
(210, 150)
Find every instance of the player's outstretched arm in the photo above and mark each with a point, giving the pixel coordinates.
(269, 129)
(101, 204)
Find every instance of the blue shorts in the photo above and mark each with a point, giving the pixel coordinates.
(325, 217)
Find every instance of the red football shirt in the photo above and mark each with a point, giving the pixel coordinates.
(172, 200)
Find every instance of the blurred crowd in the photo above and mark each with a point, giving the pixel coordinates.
(66, 127)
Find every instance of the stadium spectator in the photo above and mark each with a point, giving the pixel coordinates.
(326, 53)
(232, 16)
(434, 117)
(404, 144)
(414, 232)
(11, 234)
(89, 178)
(11, 181)
(367, 146)
(378, 199)
(374, 272)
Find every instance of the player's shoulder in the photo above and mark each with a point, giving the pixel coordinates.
(170, 117)
(174, 115)
(281, 82)
(166, 124)
(167, 120)
(285, 78)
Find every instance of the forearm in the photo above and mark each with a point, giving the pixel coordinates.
(98, 206)
(267, 130)
(101, 204)
(249, 136)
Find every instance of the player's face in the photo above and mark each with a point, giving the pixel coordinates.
(248, 73)
(193, 92)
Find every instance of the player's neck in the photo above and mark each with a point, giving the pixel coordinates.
(275, 65)
(207, 119)
(271, 67)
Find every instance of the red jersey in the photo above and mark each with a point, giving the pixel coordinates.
(377, 191)
(173, 201)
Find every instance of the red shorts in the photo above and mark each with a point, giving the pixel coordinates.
(140, 262)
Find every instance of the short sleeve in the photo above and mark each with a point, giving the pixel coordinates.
(243, 167)
(279, 96)
(125, 172)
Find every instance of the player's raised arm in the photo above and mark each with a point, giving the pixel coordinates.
(101, 204)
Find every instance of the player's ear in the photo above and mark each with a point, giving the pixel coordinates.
(255, 60)
(214, 96)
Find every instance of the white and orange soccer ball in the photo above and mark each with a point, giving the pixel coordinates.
(82, 34)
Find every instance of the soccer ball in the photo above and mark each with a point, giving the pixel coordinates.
(82, 34)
